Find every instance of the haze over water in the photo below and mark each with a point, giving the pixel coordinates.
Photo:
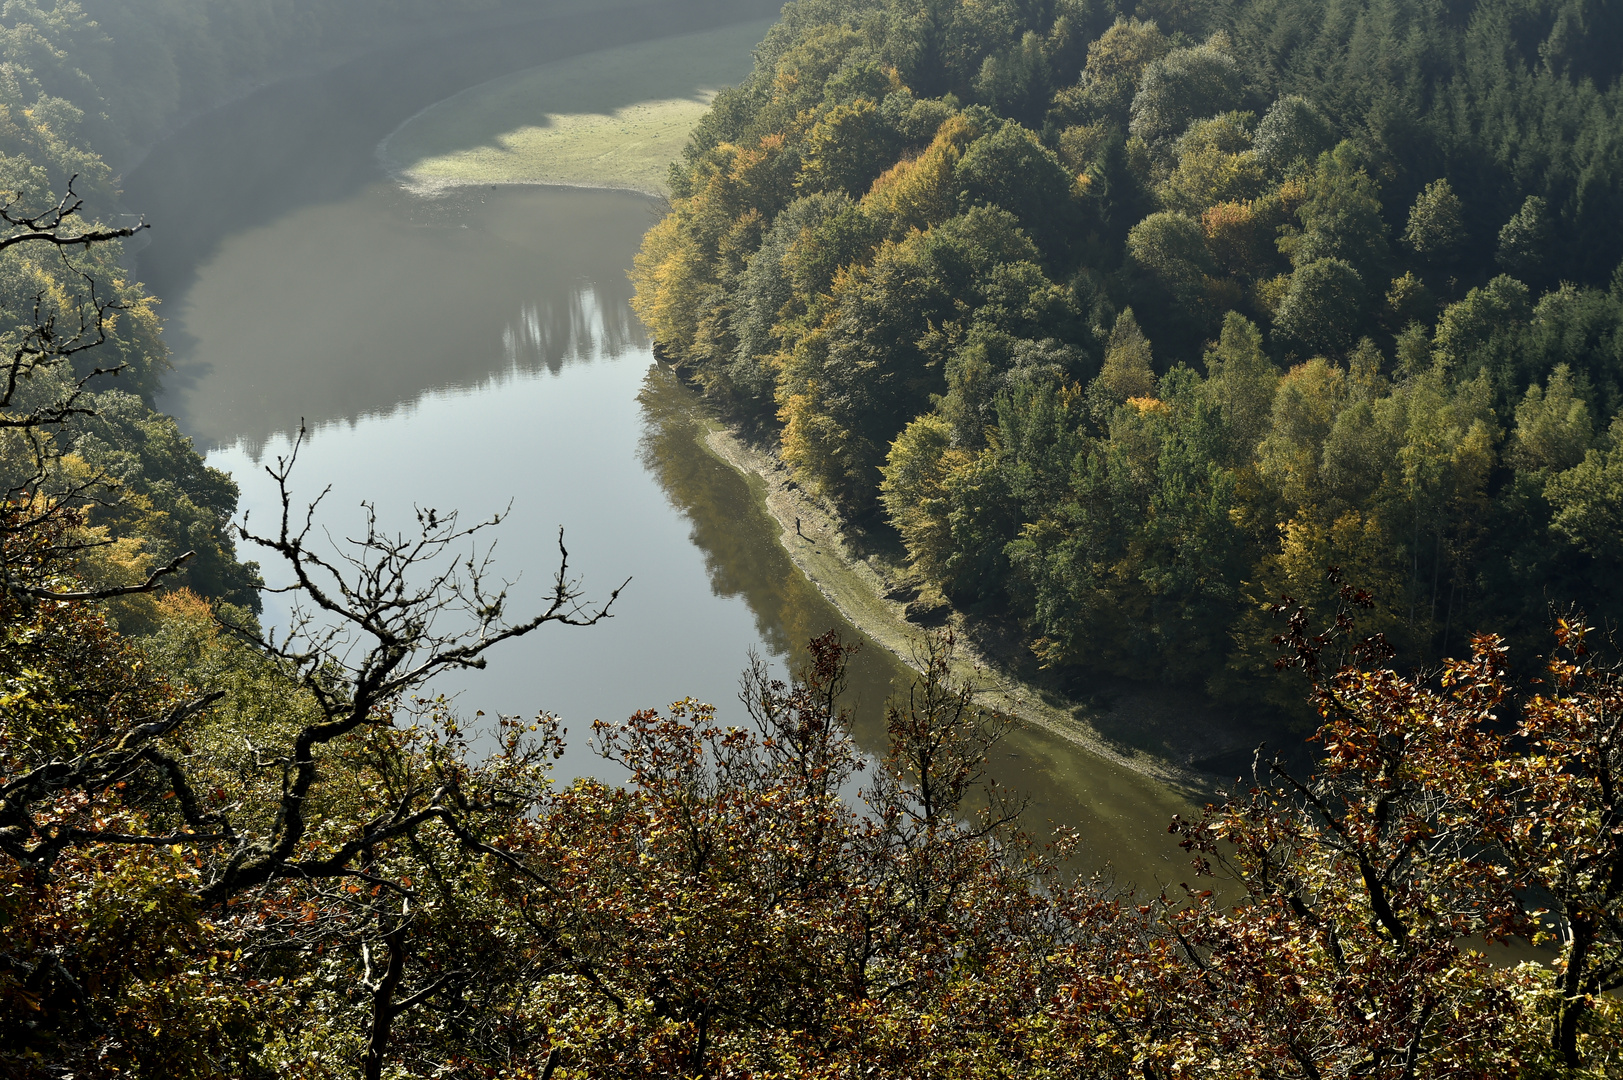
(476, 349)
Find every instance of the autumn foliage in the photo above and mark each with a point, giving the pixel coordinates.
(734, 909)
(1127, 318)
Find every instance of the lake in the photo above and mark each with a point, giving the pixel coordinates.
(475, 351)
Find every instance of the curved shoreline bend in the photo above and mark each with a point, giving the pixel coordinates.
(612, 119)
(811, 535)
(1164, 735)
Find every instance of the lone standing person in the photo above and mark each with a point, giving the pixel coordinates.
(797, 528)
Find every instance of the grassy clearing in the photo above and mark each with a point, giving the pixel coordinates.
(615, 118)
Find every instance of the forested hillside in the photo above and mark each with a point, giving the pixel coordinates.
(1130, 320)
(1123, 319)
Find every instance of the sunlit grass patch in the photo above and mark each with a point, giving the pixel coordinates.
(615, 118)
(629, 148)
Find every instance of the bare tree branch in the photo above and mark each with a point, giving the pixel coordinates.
(46, 227)
(149, 585)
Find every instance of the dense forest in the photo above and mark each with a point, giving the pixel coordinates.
(1131, 321)
(1125, 319)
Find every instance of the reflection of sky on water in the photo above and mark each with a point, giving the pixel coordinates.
(603, 443)
(477, 350)
(558, 442)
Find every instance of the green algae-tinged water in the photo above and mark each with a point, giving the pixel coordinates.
(475, 351)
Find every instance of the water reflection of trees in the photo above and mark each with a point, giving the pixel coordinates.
(588, 323)
(593, 322)
(401, 299)
(1122, 817)
(737, 539)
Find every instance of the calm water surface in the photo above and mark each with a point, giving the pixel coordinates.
(476, 352)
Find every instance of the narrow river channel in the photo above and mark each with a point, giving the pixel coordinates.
(475, 351)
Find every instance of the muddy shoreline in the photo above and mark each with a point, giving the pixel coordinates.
(1173, 736)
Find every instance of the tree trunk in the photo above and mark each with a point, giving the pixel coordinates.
(383, 1008)
(1572, 1006)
